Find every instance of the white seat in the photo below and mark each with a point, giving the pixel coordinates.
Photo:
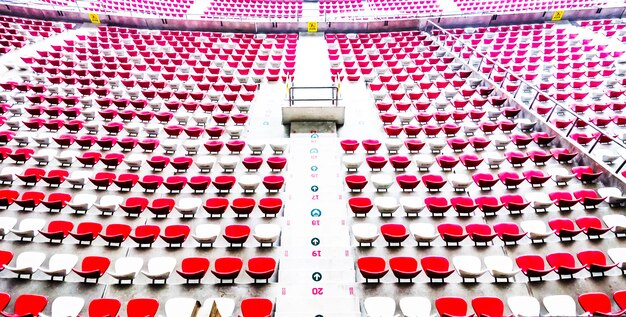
(266, 233)
(460, 182)
(132, 128)
(169, 145)
(188, 206)
(618, 255)
(607, 156)
(66, 306)
(423, 232)
(192, 146)
(380, 306)
(60, 265)
(205, 163)
(243, 106)
(152, 129)
(415, 306)
(206, 233)
(27, 263)
(45, 156)
(78, 178)
(126, 268)
(382, 182)
(525, 124)
(225, 306)
(499, 140)
(468, 266)
(228, 163)
(539, 200)
(352, 162)
(249, 183)
(617, 222)
(614, 195)
(134, 161)
(405, 117)
(66, 158)
(469, 128)
(256, 147)
(181, 307)
(423, 161)
(493, 159)
(536, 229)
(365, 233)
(43, 140)
(82, 202)
(279, 146)
(393, 145)
(6, 224)
(7, 175)
(500, 266)
(160, 268)
(560, 305)
(412, 205)
(560, 175)
(29, 228)
(234, 131)
(386, 205)
(109, 203)
(436, 145)
(524, 305)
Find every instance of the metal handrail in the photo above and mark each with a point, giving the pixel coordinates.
(543, 94)
(334, 99)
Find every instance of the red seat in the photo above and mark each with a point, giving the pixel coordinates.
(145, 234)
(536, 178)
(273, 182)
(585, 174)
(450, 306)
(532, 265)
(564, 228)
(86, 231)
(256, 307)
(480, 233)
(594, 261)
(252, 163)
(27, 305)
(589, 198)
(489, 205)
(21, 155)
(463, 205)
(276, 163)
(30, 200)
(516, 158)
(182, 163)
(598, 304)
(158, 162)
(407, 182)
(399, 162)
(31, 176)
(161, 206)
(175, 234)
(394, 233)
(514, 203)
(488, 306)
(224, 183)
(447, 162)
(227, 268)
(93, 267)
(142, 307)
(235, 146)
(126, 181)
(356, 182)
(372, 268)
(104, 307)
(563, 155)
(484, 180)
(116, 233)
(439, 205)
(193, 268)
(270, 205)
(216, 206)
(134, 205)
(261, 268)
(470, 161)
(563, 263)
(56, 201)
(591, 226)
(236, 234)
(509, 232)
(451, 233)
(151, 182)
(436, 267)
(175, 184)
(563, 199)
(243, 206)
(199, 183)
(376, 162)
(510, 179)
(414, 146)
(433, 182)
(371, 146)
(57, 230)
(404, 267)
(214, 147)
(102, 180)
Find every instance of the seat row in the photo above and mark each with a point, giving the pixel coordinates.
(483, 234)
(144, 235)
(594, 303)
(128, 268)
(470, 267)
(70, 306)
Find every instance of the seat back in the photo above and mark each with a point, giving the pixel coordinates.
(435, 263)
(256, 307)
(142, 307)
(93, 262)
(195, 264)
(454, 306)
(488, 306)
(30, 304)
